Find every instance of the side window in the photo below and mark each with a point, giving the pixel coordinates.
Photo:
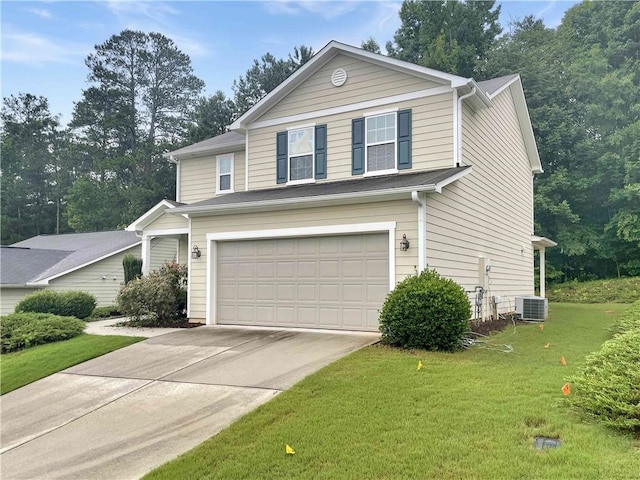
(301, 154)
(224, 173)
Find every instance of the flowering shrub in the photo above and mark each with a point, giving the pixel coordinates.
(157, 299)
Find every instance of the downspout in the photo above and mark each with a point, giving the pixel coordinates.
(459, 129)
(176, 162)
(422, 229)
(246, 160)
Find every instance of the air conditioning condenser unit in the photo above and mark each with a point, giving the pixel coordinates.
(532, 308)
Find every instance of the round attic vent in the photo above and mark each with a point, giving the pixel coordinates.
(338, 77)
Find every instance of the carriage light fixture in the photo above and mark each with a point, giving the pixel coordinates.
(404, 243)
(195, 252)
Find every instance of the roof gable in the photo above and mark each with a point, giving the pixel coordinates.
(152, 214)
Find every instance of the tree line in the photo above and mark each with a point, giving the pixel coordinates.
(581, 82)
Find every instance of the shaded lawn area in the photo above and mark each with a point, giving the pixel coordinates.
(472, 414)
(618, 290)
(25, 366)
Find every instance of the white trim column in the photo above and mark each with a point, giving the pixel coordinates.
(146, 254)
(542, 273)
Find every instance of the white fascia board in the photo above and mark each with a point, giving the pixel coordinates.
(202, 151)
(378, 102)
(294, 202)
(149, 216)
(45, 281)
(522, 112)
(165, 232)
(440, 185)
(538, 242)
(329, 51)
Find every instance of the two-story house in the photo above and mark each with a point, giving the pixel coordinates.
(354, 173)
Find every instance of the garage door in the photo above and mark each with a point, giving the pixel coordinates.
(337, 282)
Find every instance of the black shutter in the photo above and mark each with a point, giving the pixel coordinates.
(321, 151)
(357, 146)
(404, 139)
(282, 140)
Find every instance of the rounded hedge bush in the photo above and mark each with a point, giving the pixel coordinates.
(27, 329)
(67, 304)
(608, 386)
(426, 311)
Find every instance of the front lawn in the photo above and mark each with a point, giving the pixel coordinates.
(25, 366)
(472, 414)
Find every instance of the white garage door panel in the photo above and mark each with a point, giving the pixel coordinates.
(335, 282)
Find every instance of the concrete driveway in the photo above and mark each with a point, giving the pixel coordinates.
(121, 415)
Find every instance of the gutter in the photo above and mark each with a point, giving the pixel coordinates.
(422, 229)
(459, 129)
(176, 162)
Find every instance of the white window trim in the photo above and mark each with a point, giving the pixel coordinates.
(388, 171)
(214, 238)
(302, 181)
(231, 182)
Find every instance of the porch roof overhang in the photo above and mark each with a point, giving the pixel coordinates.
(358, 190)
(542, 242)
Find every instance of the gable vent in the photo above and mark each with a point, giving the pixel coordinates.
(338, 77)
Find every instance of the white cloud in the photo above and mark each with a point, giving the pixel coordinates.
(328, 9)
(157, 11)
(37, 50)
(41, 12)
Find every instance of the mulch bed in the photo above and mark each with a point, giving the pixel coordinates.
(490, 326)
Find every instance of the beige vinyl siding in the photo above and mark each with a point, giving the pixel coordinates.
(163, 250)
(89, 279)
(432, 141)
(168, 221)
(365, 81)
(489, 212)
(198, 176)
(9, 297)
(404, 212)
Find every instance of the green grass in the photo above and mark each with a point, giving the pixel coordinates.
(21, 368)
(617, 290)
(469, 415)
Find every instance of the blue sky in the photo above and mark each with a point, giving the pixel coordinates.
(44, 43)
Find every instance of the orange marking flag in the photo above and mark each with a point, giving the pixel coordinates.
(566, 390)
(563, 361)
(288, 450)
(541, 327)
(419, 366)
(547, 345)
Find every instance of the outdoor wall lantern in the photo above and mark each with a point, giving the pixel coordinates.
(404, 243)
(195, 253)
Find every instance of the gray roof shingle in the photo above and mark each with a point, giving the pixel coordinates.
(219, 142)
(494, 84)
(74, 250)
(325, 189)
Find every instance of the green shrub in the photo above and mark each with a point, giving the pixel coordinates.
(67, 304)
(132, 267)
(628, 320)
(157, 299)
(26, 329)
(106, 312)
(608, 386)
(425, 311)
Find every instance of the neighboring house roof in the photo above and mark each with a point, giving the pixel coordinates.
(342, 190)
(219, 142)
(20, 265)
(76, 250)
(495, 85)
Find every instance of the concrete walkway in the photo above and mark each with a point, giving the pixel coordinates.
(121, 415)
(108, 327)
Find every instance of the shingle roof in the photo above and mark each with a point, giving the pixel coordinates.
(418, 180)
(494, 84)
(220, 142)
(20, 265)
(74, 250)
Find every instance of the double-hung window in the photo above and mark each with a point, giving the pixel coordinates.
(224, 173)
(381, 142)
(300, 156)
